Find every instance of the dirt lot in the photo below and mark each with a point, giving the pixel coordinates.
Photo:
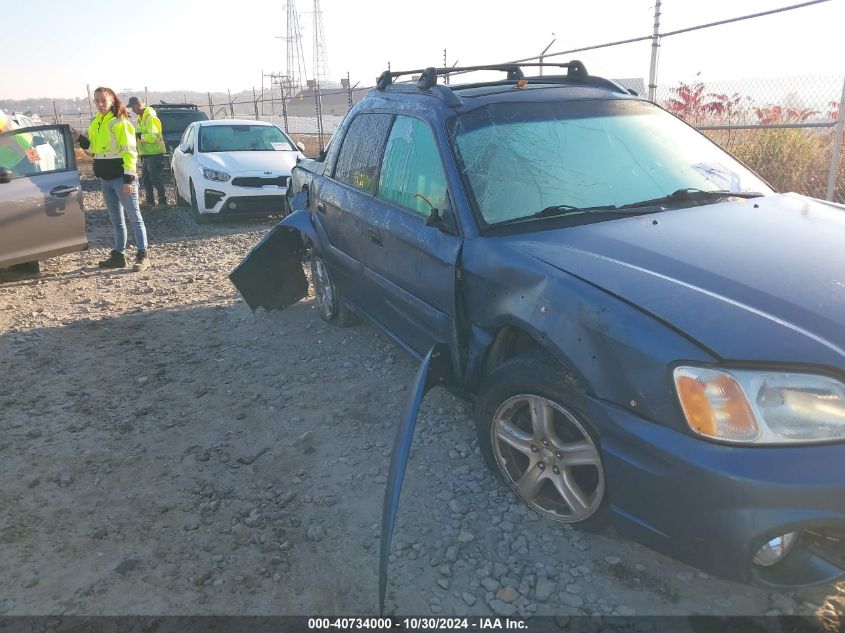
(165, 451)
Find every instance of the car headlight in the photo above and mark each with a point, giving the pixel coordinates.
(213, 174)
(761, 407)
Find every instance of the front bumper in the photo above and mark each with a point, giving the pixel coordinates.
(228, 199)
(713, 506)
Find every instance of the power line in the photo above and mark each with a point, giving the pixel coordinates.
(678, 32)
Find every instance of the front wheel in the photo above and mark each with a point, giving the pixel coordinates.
(199, 218)
(535, 434)
(326, 295)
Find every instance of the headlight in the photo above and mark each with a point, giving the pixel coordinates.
(213, 174)
(761, 407)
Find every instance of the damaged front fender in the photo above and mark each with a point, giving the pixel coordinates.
(435, 370)
(271, 275)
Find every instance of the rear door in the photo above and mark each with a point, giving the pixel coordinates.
(413, 265)
(342, 202)
(41, 206)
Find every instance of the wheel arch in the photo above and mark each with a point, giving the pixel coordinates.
(491, 350)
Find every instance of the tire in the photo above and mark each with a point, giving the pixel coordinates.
(199, 218)
(180, 201)
(326, 296)
(545, 448)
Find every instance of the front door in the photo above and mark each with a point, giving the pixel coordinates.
(413, 264)
(41, 206)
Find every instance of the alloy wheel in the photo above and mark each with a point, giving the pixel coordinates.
(548, 458)
(323, 289)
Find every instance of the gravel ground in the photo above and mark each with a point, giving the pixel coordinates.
(165, 451)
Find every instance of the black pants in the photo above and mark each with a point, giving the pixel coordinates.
(152, 177)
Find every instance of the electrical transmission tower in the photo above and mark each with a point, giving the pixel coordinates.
(294, 81)
(321, 62)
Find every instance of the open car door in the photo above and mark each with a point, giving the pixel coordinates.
(40, 195)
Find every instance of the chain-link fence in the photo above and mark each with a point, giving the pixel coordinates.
(784, 129)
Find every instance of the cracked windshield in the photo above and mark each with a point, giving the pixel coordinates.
(522, 158)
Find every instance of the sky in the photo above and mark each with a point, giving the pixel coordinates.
(215, 45)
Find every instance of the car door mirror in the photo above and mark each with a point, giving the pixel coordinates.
(444, 222)
(38, 140)
(185, 149)
(434, 219)
(5, 175)
(301, 146)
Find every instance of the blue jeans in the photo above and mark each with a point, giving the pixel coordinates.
(116, 202)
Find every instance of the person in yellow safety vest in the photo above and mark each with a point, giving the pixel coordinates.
(111, 139)
(14, 148)
(151, 151)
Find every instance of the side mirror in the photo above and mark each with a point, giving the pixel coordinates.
(434, 219)
(5, 175)
(38, 140)
(185, 149)
(322, 155)
(301, 146)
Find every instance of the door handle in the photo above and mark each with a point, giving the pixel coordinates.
(321, 208)
(63, 191)
(374, 236)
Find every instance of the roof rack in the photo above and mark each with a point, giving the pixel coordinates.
(175, 106)
(428, 76)
(427, 80)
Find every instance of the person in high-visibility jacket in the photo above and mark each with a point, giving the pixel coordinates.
(111, 140)
(13, 148)
(150, 150)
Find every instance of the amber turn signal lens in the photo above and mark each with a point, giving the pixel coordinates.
(715, 405)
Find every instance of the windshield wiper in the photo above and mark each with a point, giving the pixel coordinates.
(683, 195)
(568, 209)
(557, 210)
(634, 208)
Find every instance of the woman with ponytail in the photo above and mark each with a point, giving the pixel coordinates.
(111, 140)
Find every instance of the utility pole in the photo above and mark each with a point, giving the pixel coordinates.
(655, 48)
(90, 108)
(348, 89)
(255, 102)
(210, 107)
(445, 65)
(231, 105)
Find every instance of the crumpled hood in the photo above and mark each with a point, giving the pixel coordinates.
(752, 280)
(278, 162)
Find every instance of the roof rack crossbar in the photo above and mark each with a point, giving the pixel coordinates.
(428, 76)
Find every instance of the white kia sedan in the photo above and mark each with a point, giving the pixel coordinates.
(232, 167)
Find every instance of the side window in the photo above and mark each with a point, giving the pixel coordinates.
(412, 174)
(189, 137)
(360, 155)
(33, 151)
